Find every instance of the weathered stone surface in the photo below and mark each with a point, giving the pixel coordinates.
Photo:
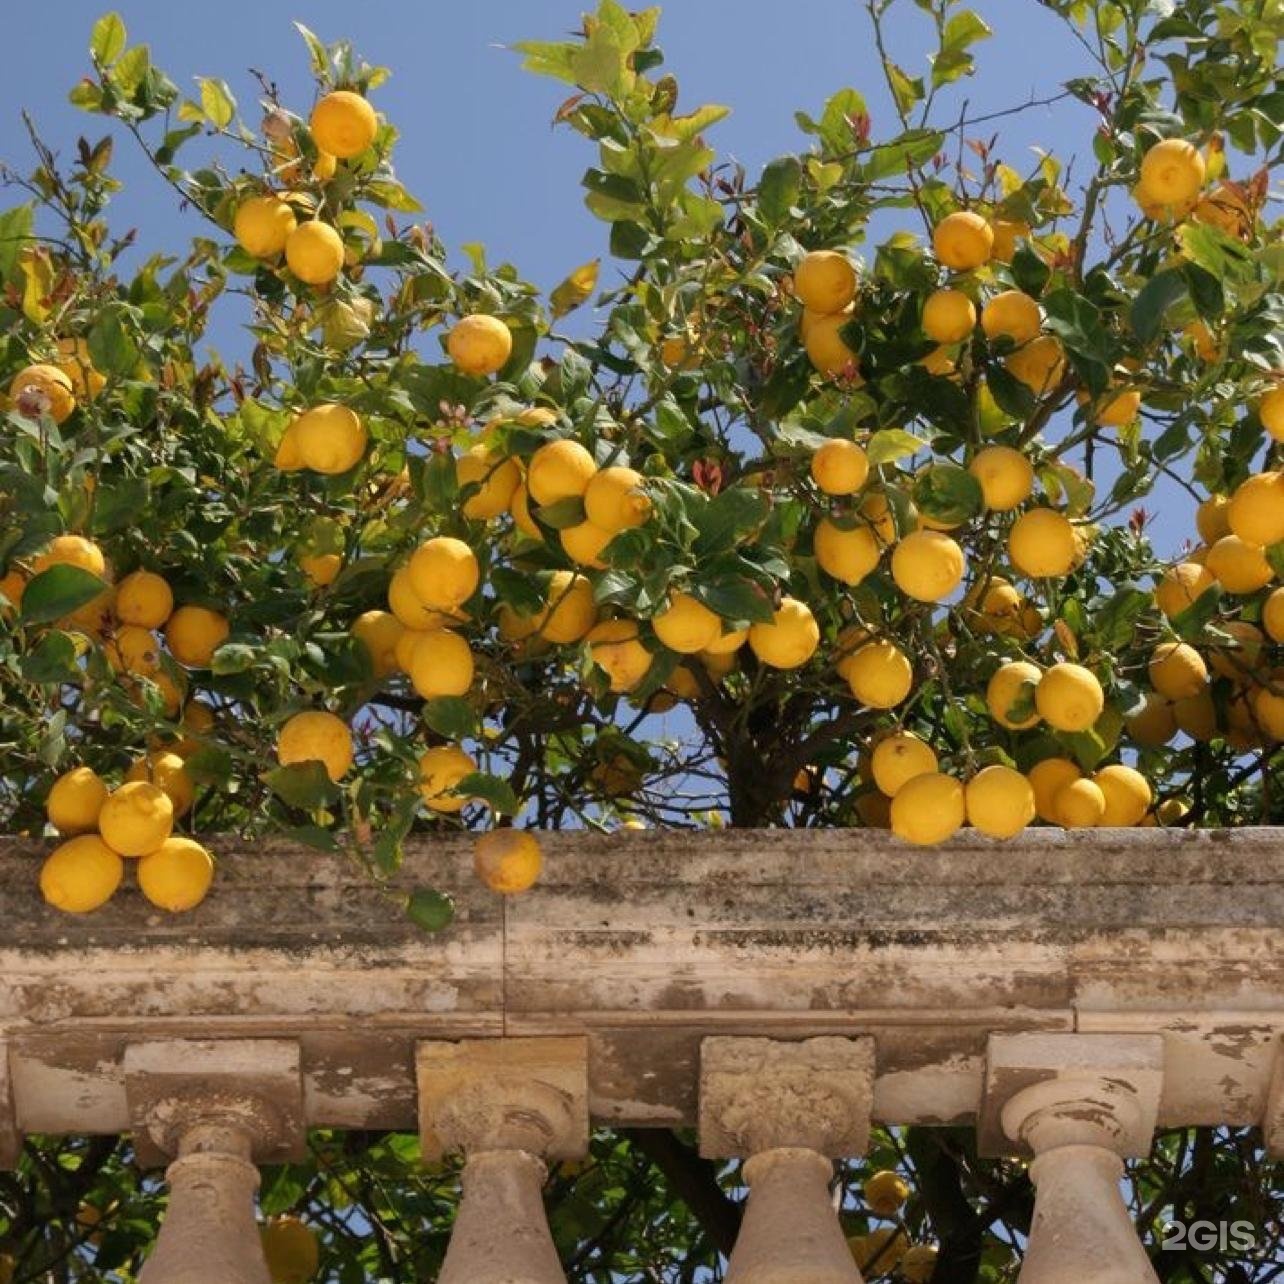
(646, 943)
(10, 1142)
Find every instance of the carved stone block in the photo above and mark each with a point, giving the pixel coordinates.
(760, 1094)
(10, 1138)
(1273, 1117)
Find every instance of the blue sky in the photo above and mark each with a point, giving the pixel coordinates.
(477, 144)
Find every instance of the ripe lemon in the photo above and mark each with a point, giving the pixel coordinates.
(1081, 804)
(898, 758)
(1013, 685)
(343, 124)
(263, 225)
(919, 1263)
(826, 349)
(1240, 567)
(615, 499)
(1047, 778)
(559, 470)
(441, 768)
(144, 598)
(928, 809)
(330, 438)
(322, 569)
(686, 625)
(315, 736)
(940, 361)
(725, 645)
(1212, 518)
(1273, 615)
(1012, 315)
(1196, 715)
(879, 674)
(290, 1249)
(405, 604)
(1180, 585)
(194, 633)
(1177, 670)
(287, 457)
(1069, 697)
(583, 544)
(75, 362)
(878, 1252)
(1270, 410)
(825, 281)
(1007, 232)
(1256, 510)
(496, 480)
(521, 514)
(847, 555)
(441, 664)
(71, 550)
(1268, 707)
(927, 565)
(169, 773)
(1172, 172)
(43, 389)
(1039, 364)
(963, 241)
(134, 650)
(443, 573)
(1000, 801)
(80, 875)
(617, 649)
(790, 640)
(314, 252)
(949, 316)
(1153, 723)
(1127, 794)
(480, 344)
(999, 608)
(12, 585)
(1042, 544)
(885, 1192)
(507, 860)
(74, 801)
(136, 818)
(839, 467)
(1121, 409)
(177, 875)
(1006, 477)
(571, 611)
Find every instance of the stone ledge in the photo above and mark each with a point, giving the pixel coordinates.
(647, 942)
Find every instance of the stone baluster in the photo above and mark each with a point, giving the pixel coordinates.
(218, 1109)
(10, 1137)
(787, 1109)
(510, 1106)
(1079, 1104)
(1273, 1115)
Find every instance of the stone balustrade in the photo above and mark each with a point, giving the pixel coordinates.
(1066, 995)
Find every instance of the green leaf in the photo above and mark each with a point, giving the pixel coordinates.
(948, 493)
(727, 518)
(563, 514)
(494, 790)
(739, 601)
(952, 60)
(52, 659)
(906, 90)
(1226, 258)
(110, 347)
(429, 909)
(835, 127)
(1010, 394)
(16, 227)
(577, 288)
(107, 39)
(778, 189)
(217, 102)
(118, 503)
(131, 70)
(390, 195)
(548, 58)
(1275, 555)
(1114, 623)
(302, 784)
(57, 592)
(889, 444)
(1029, 271)
(317, 56)
(1155, 298)
(450, 716)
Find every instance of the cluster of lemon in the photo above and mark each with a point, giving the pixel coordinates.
(136, 819)
(887, 1249)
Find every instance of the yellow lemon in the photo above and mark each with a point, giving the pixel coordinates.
(1180, 585)
(1127, 794)
(169, 773)
(1069, 697)
(136, 818)
(583, 544)
(1047, 778)
(314, 252)
(1012, 315)
(80, 875)
(1268, 707)
(1000, 801)
(1177, 670)
(441, 664)
(1012, 686)
(343, 124)
(1007, 232)
(884, 1192)
(1256, 510)
(615, 499)
(263, 225)
(790, 640)
(847, 555)
(617, 649)
(1006, 477)
(919, 1263)
(726, 644)
(1196, 715)
(963, 241)
(507, 860)
(287, 457)
(144, 598)
(74, 801)
(379, 632)
(1039, 364)
(927, 565)
(177, 875)
(839, 467)
(406, 605)
(879, 674)
(1081, 804)
(315, 736)
(559, 470)
(330, 438)
(928, 809)
(1172, 172)
(194, 633)
(322, 569)
(1153, 723)
(1212, 518)
(1270, 410)
(43, 389)
(480, 344)
(1240, 567)
(1273, 615)
(521, 514)
(1120, 409)
(71, 550)
(443, 573)
(12, 586)
(290, 1249)
(686, 625)
(825, 281)
(826, 349)
(75, 362)
(1042, 544)
(949, 316)
(898, 758)
(441, 769)
(571, 611)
